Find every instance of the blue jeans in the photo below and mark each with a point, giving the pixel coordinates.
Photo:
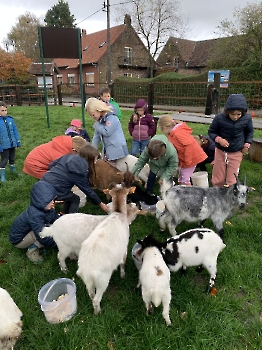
(138, 145)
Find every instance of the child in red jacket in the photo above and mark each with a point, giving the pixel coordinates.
(189, 151)
(141, 127)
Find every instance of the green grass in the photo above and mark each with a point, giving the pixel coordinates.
(231, 320)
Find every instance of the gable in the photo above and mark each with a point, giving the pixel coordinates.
(50, 68)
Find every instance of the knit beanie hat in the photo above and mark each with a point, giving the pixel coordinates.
(141, 104)
(76, 122)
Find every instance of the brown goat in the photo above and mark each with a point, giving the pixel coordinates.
(107, 174)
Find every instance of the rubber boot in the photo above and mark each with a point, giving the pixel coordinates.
(2, 171)
(12, 168)
(33, 254)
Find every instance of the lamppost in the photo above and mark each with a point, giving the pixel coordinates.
(107, 6)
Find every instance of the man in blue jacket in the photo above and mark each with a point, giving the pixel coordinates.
(25, 230)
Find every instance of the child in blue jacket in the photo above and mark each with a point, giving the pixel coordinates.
(25, 230)
(9, 140)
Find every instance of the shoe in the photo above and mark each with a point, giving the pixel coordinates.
(33, 254)
(2, 172)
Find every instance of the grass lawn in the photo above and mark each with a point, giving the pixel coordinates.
(230, 320)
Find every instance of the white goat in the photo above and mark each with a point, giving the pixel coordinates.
(154, 276)
(10, 321)
(71, 230)
(105, 248)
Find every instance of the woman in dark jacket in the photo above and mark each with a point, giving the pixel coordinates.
(232, 131)
(70, 170)
(24, 232)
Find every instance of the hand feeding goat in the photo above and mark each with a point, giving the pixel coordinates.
(154, 277)
(192, 203)
(10, 321)
(71, 230)
(200, 246)
(105, 248)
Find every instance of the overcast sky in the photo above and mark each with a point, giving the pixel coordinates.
(205, 15)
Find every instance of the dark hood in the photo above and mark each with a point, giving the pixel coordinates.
(42, 193)
(236, 102)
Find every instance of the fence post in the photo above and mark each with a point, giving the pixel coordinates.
(151, 98)
(208, 109)
(59, 94)
(112, 89)
(18, 95)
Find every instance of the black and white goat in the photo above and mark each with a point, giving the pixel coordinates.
(196, 204)
(105, 248)
(196, 247)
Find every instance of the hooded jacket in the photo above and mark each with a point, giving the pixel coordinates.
(189, 151)
(109, 130)
(145, 126)
(238, 132)
(35, 217)
(68, 171)
(165, 165)
(37, 161)
(9, 136)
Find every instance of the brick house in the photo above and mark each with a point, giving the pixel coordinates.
(51, 72)
(186, 56)
(129, 57)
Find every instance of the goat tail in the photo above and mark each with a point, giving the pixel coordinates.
(156, 299)
(166, 185)
(46, 232)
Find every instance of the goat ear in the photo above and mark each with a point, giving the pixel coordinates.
(238, 182)
(106, 191)
(250, 189)
(139, 241)
(132, 189)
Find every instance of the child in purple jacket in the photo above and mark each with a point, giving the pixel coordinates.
(141, 127)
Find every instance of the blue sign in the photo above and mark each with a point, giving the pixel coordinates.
(224, 77)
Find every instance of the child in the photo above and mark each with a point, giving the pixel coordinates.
(141, 127)
(105, 96)
(208, 147)
(161, 157)
(9, 140)
(77, 130)
(71, 170)
(232, 131)
(107, 129)
(24, 232)
(37, 161)
(189, 151)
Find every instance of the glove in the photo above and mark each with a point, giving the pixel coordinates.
(1, 149)
(18, 144)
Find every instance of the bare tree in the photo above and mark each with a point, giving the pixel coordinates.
(154, 21)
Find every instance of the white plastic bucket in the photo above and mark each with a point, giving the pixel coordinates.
(58, 300)
(200, 178)
(137, 262)
(160, 207)
(82, 197)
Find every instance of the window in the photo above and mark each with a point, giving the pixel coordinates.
(48, 81)
(176, 62)
(71, 78)
(128, 55)
(90, 79)
(59, 79)
(128, 75)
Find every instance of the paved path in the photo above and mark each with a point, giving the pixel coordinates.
(192, 114)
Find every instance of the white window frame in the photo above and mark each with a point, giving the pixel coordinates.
(59, 79)
(128, 55)
(90, 79)
(71, 78)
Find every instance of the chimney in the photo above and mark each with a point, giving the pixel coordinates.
(83, 32)
(127, 20)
